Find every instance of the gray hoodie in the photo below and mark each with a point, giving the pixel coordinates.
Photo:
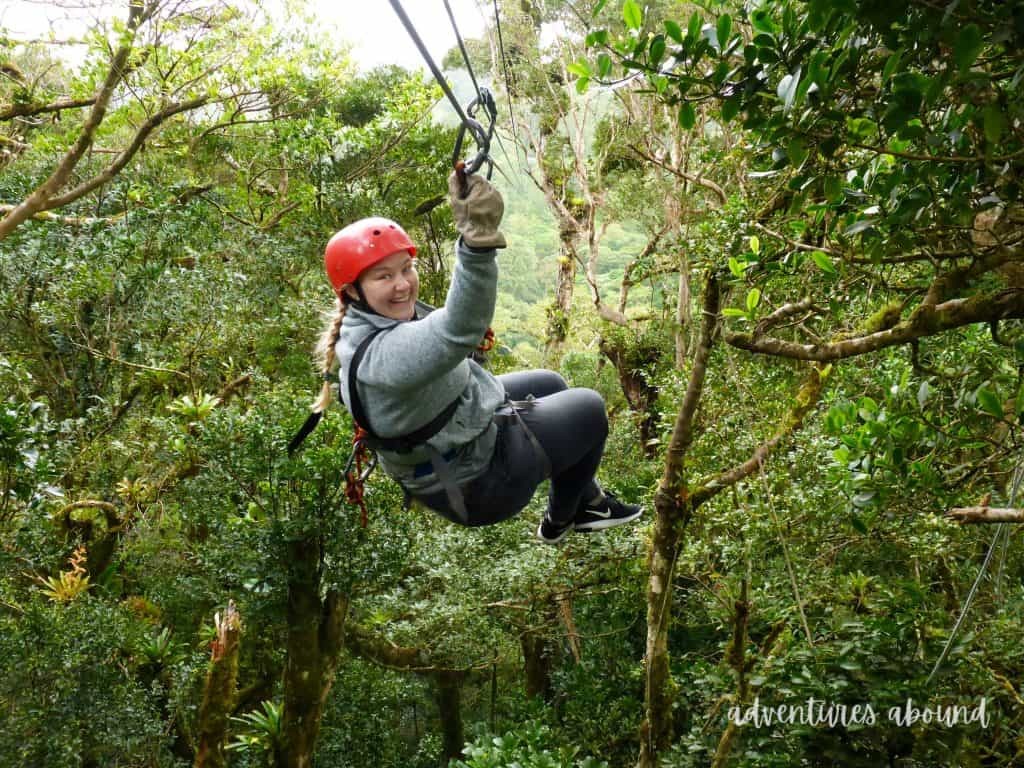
(414, 369)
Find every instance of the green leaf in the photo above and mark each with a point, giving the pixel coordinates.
(968, 45)
(787, 88)
(737, 269)
(922, 394)
(859, 226)
(891, 64)
(674, 31)
(989, 402)
(762, 21)
(755, 244)
(598, 7)
(580, 68)
(582, 84)
(632, 14)
(687, 117)
(724, 29)
(833, 188)
(797, 151)
(604, 64)
(730, 108)
(694, 27)
(657, 50)
(824, 262)
(753, 299)
(864, 499)
(995, 123)
(733, 312)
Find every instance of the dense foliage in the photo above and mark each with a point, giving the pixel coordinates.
(783, 239)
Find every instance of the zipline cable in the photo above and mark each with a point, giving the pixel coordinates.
(397, 5)
(462, 47)
(1002, 529)
(484, 99)
(505, 69)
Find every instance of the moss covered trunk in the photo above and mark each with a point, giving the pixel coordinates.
(315, 635)
(220, 692)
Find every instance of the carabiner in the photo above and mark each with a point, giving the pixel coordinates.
(369, 467)
(357, 445)
(481, 136)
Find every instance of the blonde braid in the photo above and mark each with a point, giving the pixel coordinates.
(325, 354)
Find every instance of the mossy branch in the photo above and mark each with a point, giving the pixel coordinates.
(806, 399)
(926, 320)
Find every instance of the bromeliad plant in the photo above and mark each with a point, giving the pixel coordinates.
(70, 584)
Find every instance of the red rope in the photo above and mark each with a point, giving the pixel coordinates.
(487, 344)
(355, 487)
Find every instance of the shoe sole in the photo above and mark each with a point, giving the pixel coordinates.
(611, 522)
(559, 538)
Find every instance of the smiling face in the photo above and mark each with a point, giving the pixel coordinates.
(391, 286)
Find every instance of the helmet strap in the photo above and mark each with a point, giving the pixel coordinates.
(361, 303)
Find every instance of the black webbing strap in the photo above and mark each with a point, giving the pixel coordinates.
(412, 440)
(405, 443)
(307, 426)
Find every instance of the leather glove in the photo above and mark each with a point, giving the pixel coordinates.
(478, 214)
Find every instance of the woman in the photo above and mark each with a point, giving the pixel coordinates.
(470, 445)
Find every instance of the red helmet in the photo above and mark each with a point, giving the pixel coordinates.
(361, 245)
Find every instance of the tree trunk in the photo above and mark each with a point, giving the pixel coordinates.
(315, 635)
(656, 729)
(673, 510)
(536, 663)
(219, 694)
(558, 312)
(631, 365)
(449, 708)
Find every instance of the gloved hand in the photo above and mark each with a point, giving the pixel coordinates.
(478, 214)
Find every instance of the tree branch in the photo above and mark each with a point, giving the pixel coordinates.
(699, 180)
(147, 127)
(30, 110)
(806, 399)
(381, 651)
(38, 199)
(672, 481)
(926, 320)
(977, 515)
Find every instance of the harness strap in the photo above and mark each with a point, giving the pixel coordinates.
(405, 443)
(444, 473)
(514, 417)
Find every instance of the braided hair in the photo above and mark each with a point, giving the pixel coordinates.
(325, 354)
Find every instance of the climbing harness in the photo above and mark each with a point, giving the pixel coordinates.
(510, 413)
(366, 440)
(363, 458)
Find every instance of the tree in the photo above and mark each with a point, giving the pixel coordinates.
(877, 179)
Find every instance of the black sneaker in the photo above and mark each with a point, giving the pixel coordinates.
(607, 513)
(552, 533)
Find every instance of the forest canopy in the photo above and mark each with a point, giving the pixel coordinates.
(783, 240)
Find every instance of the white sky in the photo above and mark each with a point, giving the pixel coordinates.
(371, 26)
(378, 37)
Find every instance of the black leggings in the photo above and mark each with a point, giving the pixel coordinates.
(570, 424)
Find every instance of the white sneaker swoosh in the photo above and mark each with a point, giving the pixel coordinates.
(605, 514)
